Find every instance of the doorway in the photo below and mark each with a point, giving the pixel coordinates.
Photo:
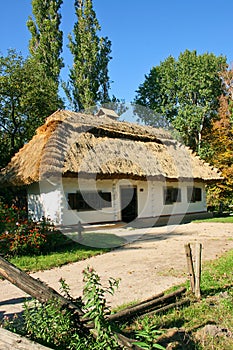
(129, 203)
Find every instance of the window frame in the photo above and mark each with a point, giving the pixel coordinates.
(194, 194)
(89, 200)
(171, 195)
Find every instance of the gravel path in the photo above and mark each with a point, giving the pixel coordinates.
(147, 266)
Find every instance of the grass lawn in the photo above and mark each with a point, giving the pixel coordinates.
(215, 308)
(99, 239)
(66, 250)
(66, 255)
(227, 219)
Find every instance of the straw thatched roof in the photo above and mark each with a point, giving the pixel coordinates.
(73, 143)
(107, 112)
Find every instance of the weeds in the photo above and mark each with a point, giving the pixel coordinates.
(146, 334)
(96, 308)
(54, 326)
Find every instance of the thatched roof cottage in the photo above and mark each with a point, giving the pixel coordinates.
(92, 169)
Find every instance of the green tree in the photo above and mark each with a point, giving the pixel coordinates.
(88, 80)
(27, 96)
(45, 45)
(158, 92)
(186, 92)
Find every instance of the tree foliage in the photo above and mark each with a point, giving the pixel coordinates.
(221, 145)
(89, 80)
(27, 96)
(186, 92)
(46, 42)
(29, 87)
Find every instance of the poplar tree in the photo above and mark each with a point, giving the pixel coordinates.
(45, 45)
(88, 79)
(27, 97)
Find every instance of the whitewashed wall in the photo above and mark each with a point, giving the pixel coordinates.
(184, 206)
(72, 217)
(44, 200)
(51, 201)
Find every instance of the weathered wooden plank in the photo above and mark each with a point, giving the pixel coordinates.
(198, 270)
(144, 307)
(43, 293)
(189, 258)
(34, 287)
(167, 307)
(10, 341)
(156, 296)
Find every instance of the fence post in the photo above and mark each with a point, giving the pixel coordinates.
(198, 270)
(190, 266)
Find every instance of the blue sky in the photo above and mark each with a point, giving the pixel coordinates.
(143, 33)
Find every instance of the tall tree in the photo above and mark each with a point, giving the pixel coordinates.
(45, 44)
(27, 96)
(89, 80)
(186, 91)
(220, 142)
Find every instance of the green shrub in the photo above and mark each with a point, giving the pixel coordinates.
(50, 324)
(18, 235)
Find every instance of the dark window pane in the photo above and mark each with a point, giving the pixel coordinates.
(86, 201)
(194, 194)
(198, 196)
(172, 195)
(105, 199)
(72, 201)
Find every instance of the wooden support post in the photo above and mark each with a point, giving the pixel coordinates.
(190, 266)
(198, 270)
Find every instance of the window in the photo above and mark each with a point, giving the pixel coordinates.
(172, 195)
(106, 199)
(194, 194)
(72, 200)
(89, 200)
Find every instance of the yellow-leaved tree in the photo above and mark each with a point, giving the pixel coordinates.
(221, 147)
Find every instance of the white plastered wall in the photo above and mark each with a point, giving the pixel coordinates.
(44, 200)
(50, 200)
(183, 207)
(72, 185)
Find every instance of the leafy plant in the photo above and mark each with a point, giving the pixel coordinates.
(97, 309)
(147, 334)
(52, 325)
(18, 235)
(48, 323)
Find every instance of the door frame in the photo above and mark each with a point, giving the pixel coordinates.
(130, 211)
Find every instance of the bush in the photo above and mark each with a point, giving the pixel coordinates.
(18, 235)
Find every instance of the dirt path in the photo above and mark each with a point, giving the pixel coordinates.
(151, 264)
